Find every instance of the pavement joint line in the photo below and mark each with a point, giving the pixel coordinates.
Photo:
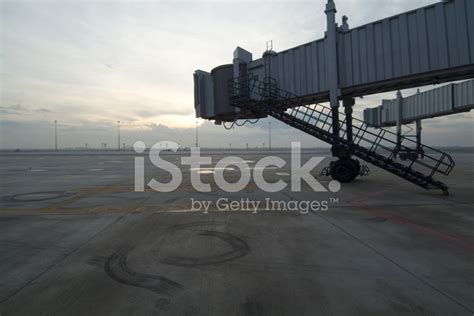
(60, 260)
(375, 250)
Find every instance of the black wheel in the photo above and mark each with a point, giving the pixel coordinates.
(344, 170)
(357, 165)
(413, 156)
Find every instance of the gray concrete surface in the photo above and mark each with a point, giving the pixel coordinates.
(76, 239)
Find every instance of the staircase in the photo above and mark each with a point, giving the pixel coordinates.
(376, 146)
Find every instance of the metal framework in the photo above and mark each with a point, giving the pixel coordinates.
(378, 147)
(429, 45)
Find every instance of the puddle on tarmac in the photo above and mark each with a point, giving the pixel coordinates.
(261, 168)
(211, 170)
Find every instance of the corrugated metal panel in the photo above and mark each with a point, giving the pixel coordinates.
(300, 70)
(434, 43)
(470, 26)
(367, 117)
(388, 110)
(433, 39)
(449, 99)
(372, 116)
(464, 95)
(203, 94)
(425, 40)
(429, 40)
(256, 68)
(435, 102)
(221, 76)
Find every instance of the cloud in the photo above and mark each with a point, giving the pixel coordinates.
(89, 64)
(12, 109)
(21, 110)
(43, 110)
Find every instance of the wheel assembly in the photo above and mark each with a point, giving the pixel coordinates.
(344, 170)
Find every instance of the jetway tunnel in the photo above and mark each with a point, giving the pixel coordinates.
(433, 44)
(450, 99)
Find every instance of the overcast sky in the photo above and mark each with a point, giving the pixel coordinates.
(89, 64)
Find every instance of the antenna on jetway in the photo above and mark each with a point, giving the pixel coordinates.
(269, 45)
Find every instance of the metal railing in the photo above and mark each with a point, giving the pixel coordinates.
(379, 141)
(248, 91)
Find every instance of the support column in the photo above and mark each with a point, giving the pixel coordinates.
(335, 122)
(399, 103)
(418, 136)
(331, 64)
(348, 104)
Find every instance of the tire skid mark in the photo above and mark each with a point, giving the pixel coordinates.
(30, 196)
(116, 268)
(239, 248)
(97, 261)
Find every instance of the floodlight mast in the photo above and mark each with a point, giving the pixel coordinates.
(118, 135)
(270, 135)
(55, 135)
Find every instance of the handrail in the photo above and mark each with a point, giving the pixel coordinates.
(271, 98)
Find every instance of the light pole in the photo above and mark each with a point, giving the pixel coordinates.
(55, 135)
(118, 135)
(270, 135)
(197, 134)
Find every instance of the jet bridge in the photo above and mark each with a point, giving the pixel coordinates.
(433, 44)
(450, 99)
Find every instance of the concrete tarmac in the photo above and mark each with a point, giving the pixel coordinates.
(76, 239)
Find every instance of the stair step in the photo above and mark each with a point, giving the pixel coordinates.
(275, 102)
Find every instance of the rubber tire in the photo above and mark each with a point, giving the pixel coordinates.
(343, 170)
(357, 165)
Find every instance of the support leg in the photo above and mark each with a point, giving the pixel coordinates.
(348, 104)
(418, 135)
(399, 118)
(335, 122)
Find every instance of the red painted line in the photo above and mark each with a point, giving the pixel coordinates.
(459, 242)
